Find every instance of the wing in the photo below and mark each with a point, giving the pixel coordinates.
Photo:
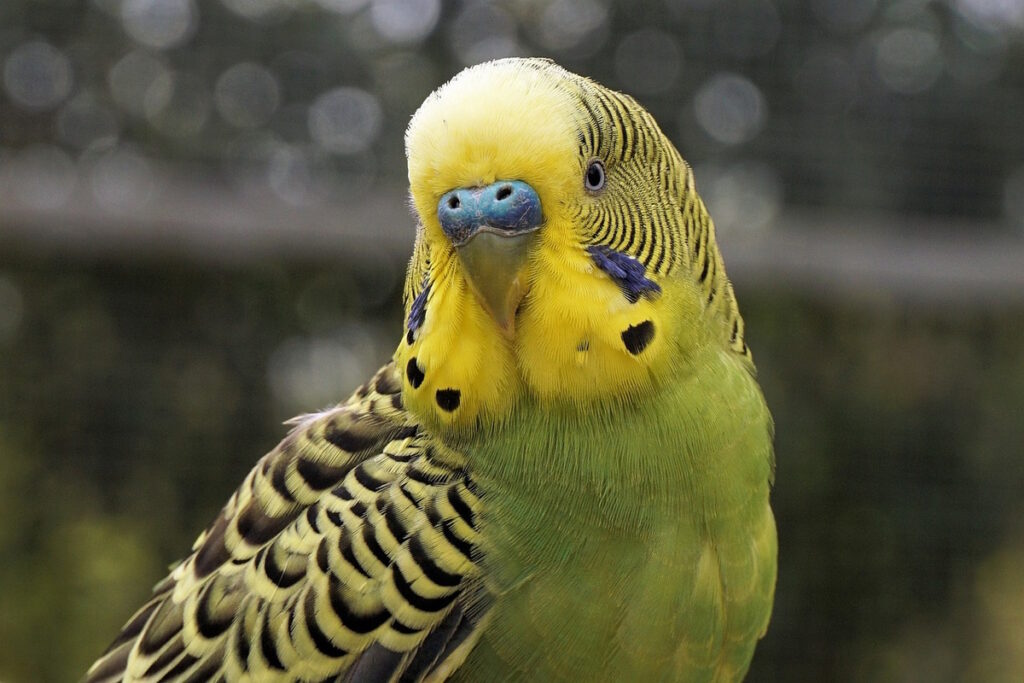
(347, 554)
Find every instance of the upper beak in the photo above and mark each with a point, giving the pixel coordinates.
(492, 229)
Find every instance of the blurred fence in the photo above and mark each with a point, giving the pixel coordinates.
(826, 252)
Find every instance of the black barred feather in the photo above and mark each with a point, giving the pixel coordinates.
(325, 561)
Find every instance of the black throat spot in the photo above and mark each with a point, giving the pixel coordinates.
(638, 337)
(414, 373)
(448, 399)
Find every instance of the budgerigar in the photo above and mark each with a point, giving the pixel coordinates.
(564, 473)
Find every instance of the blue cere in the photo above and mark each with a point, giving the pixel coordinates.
(507, 206)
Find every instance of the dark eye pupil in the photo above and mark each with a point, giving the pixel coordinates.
(595, 176)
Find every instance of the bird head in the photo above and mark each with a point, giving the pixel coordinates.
(562, 254)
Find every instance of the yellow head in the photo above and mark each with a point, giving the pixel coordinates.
(599, 284)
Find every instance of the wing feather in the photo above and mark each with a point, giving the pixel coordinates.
(348, 553)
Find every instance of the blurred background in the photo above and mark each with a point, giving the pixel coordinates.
(203, 231)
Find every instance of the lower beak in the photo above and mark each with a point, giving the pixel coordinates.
(495, 266)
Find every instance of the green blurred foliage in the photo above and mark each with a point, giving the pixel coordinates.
(898, 435)
(133, 399)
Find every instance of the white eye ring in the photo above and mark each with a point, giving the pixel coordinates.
(594, 177)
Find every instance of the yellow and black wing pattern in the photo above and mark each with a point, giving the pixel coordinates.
(348, 554)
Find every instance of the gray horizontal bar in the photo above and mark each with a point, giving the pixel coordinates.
(826, 252)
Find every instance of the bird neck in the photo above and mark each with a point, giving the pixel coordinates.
(682, 450)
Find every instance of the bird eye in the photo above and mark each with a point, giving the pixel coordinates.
(594, 178)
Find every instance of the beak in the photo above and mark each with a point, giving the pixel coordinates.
(492, 229)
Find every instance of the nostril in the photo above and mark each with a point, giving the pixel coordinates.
(453, 202)
(504, 192)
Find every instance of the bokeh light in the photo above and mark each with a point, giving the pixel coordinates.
(132, 77)
(743, 198)
(290, 174)
(160, 24)
(405, 21)
(121, 179)
(37, 75)
(998, 15)
(730, 108)
(909, 60)
(247, 95)
(577, 27)
(345, 120)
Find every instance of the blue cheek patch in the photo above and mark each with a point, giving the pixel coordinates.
(628, 273)
(417, 313)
